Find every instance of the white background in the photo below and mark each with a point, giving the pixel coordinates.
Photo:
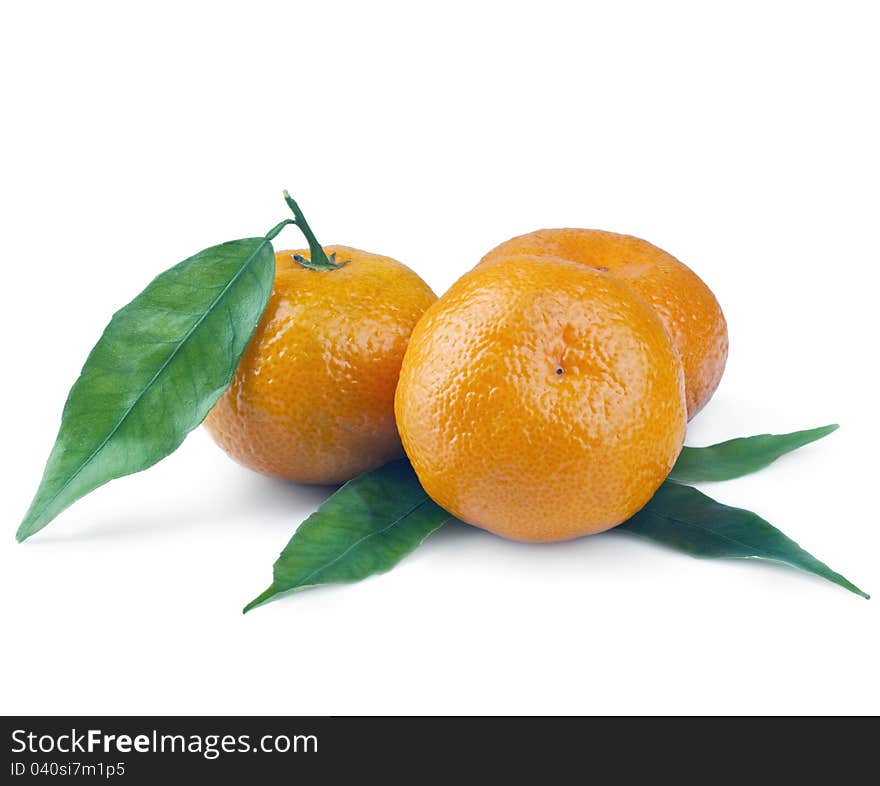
(742, 140)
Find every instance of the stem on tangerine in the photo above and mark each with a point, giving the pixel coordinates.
(319, 259)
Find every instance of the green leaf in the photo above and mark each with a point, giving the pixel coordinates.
(366, 527)
(738, 457)
(159, 367)
(685, 519)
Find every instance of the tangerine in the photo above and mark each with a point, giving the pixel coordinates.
(541, 400)
(312, 399)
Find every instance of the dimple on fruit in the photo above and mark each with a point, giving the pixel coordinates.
(680, 298)
(541, 400)
(312, 399)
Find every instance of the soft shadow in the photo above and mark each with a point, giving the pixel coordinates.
(265, 501)
(272, 497)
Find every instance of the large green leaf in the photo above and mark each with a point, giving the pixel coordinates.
(366, 527)
(154, 374)
(738, 457)
(685, 519)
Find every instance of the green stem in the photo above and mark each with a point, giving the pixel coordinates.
(272, 233)
(319, 260)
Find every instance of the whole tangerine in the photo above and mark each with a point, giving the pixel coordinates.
(541, 400)
(312, 399)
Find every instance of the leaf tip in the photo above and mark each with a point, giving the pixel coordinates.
(848, 585)
(262, 598)
(28, 527)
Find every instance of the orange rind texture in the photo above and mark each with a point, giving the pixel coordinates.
(541, 400)
(687, 307)
(312, 399)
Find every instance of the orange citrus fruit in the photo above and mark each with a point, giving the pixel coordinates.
(541, 400)
(312, 399)
(686, 305)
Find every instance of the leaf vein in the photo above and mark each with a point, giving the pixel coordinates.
(720, 535)
(149, 384)
(303, 582)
